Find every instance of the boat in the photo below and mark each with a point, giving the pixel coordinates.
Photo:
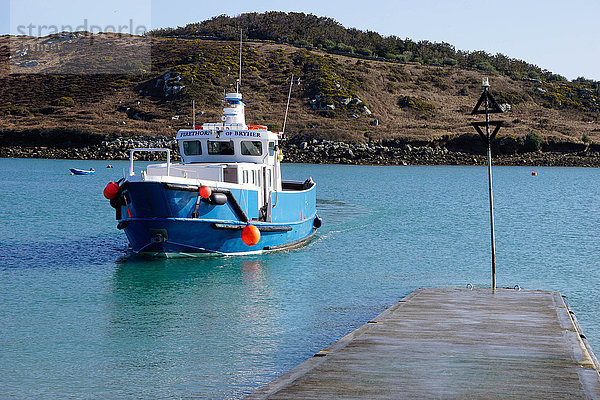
(225, 197)
(76, 171)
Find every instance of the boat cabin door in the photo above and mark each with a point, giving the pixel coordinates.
(267, 189)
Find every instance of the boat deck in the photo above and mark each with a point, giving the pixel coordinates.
(454, 343)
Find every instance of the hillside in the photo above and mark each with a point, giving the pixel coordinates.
(325, 33)
(340, 97)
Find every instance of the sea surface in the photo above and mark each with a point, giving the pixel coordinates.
(82, 318)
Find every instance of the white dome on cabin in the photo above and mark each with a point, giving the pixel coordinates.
(234, 114)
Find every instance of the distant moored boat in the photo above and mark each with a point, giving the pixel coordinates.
(76, 171)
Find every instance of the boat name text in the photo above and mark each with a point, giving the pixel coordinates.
(218, 133)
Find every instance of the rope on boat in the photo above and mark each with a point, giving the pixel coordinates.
(196, 248)
(202, 249)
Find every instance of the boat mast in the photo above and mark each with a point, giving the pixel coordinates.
(239, 82)
(287, 105)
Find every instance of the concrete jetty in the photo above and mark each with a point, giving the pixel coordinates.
(454, 343)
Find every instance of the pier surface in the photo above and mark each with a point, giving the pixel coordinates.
(453, 343)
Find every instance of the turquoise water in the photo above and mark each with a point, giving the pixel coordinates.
(81, 318)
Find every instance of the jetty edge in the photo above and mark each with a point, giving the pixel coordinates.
(453, 343)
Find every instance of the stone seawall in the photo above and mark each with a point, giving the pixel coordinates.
(317, 152)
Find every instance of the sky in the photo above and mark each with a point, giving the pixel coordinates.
(560, 36)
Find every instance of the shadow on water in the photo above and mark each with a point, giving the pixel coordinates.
(90, 250)
(336, 209)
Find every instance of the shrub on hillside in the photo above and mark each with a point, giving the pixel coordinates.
(328, 44)
(344, 48)
(416, 104)
(511, 97)
(450, 62)
(63, 102)
(586, 139)
(364, 52)
(533, 142)
(14, 110)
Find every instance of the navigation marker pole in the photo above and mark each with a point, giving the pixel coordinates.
(489, 159)
(490, 107)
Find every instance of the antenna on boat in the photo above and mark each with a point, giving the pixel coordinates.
(288, 105)
(194, 114)
(239, 82)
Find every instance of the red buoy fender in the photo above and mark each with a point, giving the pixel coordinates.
(111, 190)
(204, 192)
(250, 235)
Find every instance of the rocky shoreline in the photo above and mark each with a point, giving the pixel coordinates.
(317, 151)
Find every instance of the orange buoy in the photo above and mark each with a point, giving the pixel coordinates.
(204, 192)
(250, 235)
(111, 190)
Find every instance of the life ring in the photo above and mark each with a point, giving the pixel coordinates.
(257, 127)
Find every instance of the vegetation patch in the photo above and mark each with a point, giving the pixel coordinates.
(511, 97)
(329, 90)
(415, 104)
(63, 102)
(586, 139)
(532, 142)
(580, 95)
(15, 110)
(434, 79)
(397, 74)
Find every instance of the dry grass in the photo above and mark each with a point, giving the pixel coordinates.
(100, 98)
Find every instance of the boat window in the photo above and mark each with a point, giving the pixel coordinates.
(251, 148)
(245, 177)
(254, 177)
(220, 148)
(271, 148)
(230, 174)
(192, 148)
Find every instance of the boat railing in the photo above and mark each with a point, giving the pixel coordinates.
(150, 150)
(206, 172)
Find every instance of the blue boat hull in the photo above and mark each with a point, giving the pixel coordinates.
(76, 171)
(162, 221)
(192, 236)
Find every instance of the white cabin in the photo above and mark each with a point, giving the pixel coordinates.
(245, 157)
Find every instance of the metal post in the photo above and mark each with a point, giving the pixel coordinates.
(491, 106)
(193, 114)
(489, 157)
